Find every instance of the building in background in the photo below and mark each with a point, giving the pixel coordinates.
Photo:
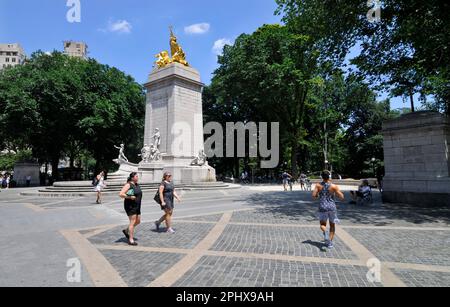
(11, 55)
(76, 49)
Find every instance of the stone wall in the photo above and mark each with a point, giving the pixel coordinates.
(416, 149)
(22, 170)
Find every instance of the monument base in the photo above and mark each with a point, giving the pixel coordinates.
(415, 198)
(192, 174)
(151, 172)
(125, 169)
(416, 149)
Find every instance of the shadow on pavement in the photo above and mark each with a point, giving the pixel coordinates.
(300, 206)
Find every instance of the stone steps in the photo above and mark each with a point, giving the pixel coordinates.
(83, 189)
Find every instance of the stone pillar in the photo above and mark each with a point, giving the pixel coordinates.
(174, 104)
(174, 99)
(416, 150)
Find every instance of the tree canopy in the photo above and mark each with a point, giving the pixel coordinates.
(60, 106)
(407, 52)
(275, 75)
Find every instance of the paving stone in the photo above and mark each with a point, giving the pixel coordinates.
(406, 246)
(139, 269)
(187, 236)
(306, 242)
(205, 218)
(423, 278)
(238, 272)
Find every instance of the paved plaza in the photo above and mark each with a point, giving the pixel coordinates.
(250, 237)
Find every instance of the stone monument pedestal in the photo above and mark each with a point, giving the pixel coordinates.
(174, 112)
(151, 172)
(416, 149)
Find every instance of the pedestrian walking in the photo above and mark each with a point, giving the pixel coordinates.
(326, 192)
(286, 180)
(303, 178)
(132, 195)
(167, 195)
(100, 185)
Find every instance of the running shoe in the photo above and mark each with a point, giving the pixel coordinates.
(330, 245)
(170, 230)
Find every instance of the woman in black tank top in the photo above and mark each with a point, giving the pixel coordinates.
(132, 195)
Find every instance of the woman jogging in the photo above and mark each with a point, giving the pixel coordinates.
(326, 192)
(167, 194)
(132, 194)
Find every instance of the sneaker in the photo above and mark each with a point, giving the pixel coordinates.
(132, 244)
(330, 245)
(170, 230)
(158, 225)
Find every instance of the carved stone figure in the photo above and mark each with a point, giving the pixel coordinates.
(155, 154)
(146, 154)
(157, 138)
(122, 156)
(201, 159)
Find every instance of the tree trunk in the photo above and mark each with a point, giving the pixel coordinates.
(294, 158)
(55, 172)
(411, 97)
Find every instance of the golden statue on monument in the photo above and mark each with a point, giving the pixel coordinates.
(178, 55)
(163, 59)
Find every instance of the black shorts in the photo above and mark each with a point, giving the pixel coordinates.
(132, 209)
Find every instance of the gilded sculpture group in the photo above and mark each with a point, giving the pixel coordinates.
(177, 53)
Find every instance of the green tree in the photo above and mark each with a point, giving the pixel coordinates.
(407, 52)
(58, 105)
(267, 76)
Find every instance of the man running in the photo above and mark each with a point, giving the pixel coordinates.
(326, 192)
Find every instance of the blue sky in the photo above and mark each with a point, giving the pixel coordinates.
(127, 34)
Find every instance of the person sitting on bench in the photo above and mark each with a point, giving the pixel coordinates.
(364, 193)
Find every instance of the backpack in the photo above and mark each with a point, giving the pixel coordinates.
(95, 181)
(157, 197)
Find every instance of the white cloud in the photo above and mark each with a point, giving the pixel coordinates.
(219, 44)
(199, 28)
(119, 26)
